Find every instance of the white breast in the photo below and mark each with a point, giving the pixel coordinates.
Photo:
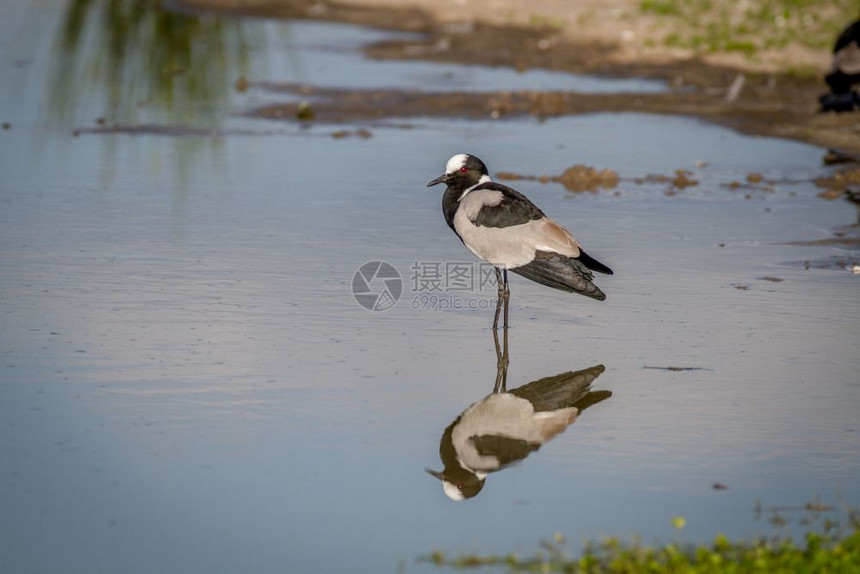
(508, 247)
(508, 416)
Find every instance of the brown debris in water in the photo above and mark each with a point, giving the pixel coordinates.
(580, 178)
(577, 178)
(755, 182)
(585, 178)
(512, 176)
(835, 185)
(361, 133)
(676, 369)
(681, 180)
(831, 194)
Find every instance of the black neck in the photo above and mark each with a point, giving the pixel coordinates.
(450, 202)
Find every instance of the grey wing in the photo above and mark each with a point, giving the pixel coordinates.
(561, 272)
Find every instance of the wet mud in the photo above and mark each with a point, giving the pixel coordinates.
(780, 105)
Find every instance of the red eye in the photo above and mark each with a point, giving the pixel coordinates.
(463, 169)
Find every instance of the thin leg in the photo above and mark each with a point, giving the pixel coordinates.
(500, 281)
(505, 359)
(498, 361)
(507, 297)
(502, 360)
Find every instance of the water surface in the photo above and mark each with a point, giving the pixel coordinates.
(188, 384)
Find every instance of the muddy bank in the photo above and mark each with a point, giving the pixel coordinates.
(771, 104)
(762, 111)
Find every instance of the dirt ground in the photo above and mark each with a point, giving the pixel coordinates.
(602, 37)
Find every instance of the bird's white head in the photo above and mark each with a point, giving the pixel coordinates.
(452, 491)
(463, 170)
(456, 162)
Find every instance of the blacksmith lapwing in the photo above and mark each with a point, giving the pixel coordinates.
(506, 427)
(501, 226)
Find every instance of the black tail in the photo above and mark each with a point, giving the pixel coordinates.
(561, 272)
(592, 263)
(570, 389)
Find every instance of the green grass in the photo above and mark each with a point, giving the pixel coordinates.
(541, 21)
(828, 547)
(715, 26)
(661, 7)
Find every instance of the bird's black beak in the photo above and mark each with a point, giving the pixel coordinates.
(434, 473)
(441, 179)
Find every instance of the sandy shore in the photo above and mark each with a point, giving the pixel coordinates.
(606, 37)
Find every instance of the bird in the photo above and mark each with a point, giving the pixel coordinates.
(505, 427)
(844, 72)
(503, 227)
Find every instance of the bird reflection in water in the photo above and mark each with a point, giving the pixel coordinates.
(507, 426)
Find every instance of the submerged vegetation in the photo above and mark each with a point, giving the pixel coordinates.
(829, 546)
(138, 56)
(753, 25)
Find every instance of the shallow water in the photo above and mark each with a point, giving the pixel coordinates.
(188, 384)
(327, 55)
